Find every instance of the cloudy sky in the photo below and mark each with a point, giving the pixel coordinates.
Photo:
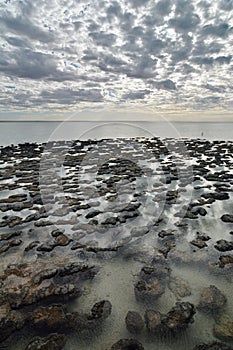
(93, 58)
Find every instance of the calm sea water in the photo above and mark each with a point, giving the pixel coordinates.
(18, 132)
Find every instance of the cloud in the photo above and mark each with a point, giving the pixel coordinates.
(22, 26)
(150, 53)
(222, 30)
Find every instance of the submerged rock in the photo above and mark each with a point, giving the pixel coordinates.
(152, 289)
(212, 299)
(225, 260)
(200, 240)
(213, 346)
(134, 322)
(152, 282)
(177, 319)
(10, 321)
(10, 244)
(51, 317)
(127, 344)
(37, 283)
(101, 310)
(223, 329)
(153, 321)
(52, 342)
(179, 286)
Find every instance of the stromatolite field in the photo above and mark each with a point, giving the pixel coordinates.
(116, 244)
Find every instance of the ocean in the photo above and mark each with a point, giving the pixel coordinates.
(43, 131)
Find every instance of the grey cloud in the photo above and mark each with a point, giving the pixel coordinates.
(77, 25)
(203, 60)
(226, 5)
(163, 7)
(210, 87)
(208, 100)
(16, 41)
(138, 3)
(222, 30)
(185, 23)
(103, 39)
(114, 10)
(32, 65)
(64, 96)
(223, 59)
(167, 84)
(210, 60)
(202, 48)
(22, 25)
(136, 95)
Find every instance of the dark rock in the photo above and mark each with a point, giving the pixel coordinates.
(31, 245)
(10, 244)
(43, 223)
(153, 321)
(213, 346)
(199, 211)
(62, 240)
(199, 243)
(10, 321)
(150, 290)
(179, 317)
(127, 344)
(200, 240)
(51, 317)
(225, 260)
(110, 221)
(134, 322)
(101, 310)
(93, 213)
(52, 342)
(189, 215)
(223, 246)
(169, 233)
(211, 299)
(223, 329)
(167, 248)
(9, 235)
(55, 233)
(227, 218)
(216, 195)
(37, 283)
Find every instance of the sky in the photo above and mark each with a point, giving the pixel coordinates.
(116, 59)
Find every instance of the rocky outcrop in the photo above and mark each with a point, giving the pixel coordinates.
(152, 282)
(223, 329)
(52, 342)
(213, 346)
(228, 218)
(127, 344)
(177, 319)
(32, 284)
(134, 322)
(211, 299)
(179, 287)
(223, 246)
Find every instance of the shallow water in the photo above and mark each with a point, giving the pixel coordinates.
(83, 175)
